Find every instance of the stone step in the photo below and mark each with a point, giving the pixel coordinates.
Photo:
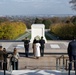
(41, 63)
(45, 62)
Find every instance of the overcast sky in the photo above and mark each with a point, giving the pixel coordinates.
(28, 7)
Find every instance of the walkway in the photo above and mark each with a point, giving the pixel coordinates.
(46, 33)
(27, 34)
(50, 46)
(51, 36)
(36, 72)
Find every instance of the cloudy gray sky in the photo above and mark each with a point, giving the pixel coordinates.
(31, 7)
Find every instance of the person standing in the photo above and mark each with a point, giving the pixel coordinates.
(37, 49)
(14, 59)
(1, 57)
(26, 46)
(5, 55)
(33, 46)
(72, 52)
(42, 45)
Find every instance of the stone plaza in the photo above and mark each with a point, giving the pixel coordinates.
(44, 65)
(50, 64)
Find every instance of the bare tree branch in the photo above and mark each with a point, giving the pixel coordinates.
(73, 2)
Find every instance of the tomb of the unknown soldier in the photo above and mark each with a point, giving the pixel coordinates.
(37, 30)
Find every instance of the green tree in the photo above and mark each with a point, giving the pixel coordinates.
(47, 23)
(38, 21)
(73, 20)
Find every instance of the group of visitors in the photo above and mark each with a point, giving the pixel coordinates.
(3, 58)
(38, 50)
(13, 57)
(38, 47)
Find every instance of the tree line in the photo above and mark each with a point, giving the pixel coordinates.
(65, 30)
(64, 27)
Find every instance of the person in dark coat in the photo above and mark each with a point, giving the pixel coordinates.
(72, 52)
(33, 46)
(26, 46)
(42, 45)
(5, 55)
(1, 58)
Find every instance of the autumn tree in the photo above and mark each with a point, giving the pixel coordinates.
(11, 30)
(64, 30)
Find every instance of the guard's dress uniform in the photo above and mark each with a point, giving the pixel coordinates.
(26, 45)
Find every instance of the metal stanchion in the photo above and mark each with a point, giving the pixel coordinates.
(59, 63)
(4, 67)
(14, 65)
(75, 72)
(69, 69)
(56, 64)
(75, 67)
(63, 62)
(4, 64)
(66, 64)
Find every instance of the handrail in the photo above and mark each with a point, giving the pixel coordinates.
(66, 64)
(58, 62)
(69, 67)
